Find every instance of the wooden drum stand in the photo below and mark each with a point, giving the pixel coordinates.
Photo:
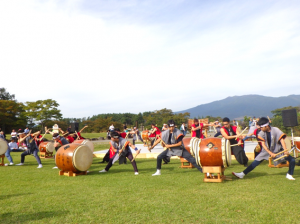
(184, 165)
(2, 160)
(46, 155)
(214, 169)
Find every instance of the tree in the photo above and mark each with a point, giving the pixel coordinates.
(11, 115)
(6, 95)
(42, 111)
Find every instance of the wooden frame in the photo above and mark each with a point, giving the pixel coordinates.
(71, 174)
(279, 165)
(183, 163)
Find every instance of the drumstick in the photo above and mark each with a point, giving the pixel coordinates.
(269, 119)
(77, 135)
(281, 152)
(136, 155)
(241, 133)
(236, 144)
(122, 149)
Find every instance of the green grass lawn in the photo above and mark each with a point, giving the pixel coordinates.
(31, 195)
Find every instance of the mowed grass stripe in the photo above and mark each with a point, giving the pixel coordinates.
(31, 195)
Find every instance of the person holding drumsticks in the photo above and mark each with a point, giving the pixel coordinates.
(154, 133)
(171, 139)
(272, 142)
(197, 128)
(232, 134)
(120, 149)
(31, 148)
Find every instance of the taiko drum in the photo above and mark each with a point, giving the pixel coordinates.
(209, 151)
(74, 157)
(46, 147)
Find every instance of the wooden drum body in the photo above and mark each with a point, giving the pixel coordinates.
(46, 147)
(209, 151)
(3, 146)
(74, 157)
(86, 142)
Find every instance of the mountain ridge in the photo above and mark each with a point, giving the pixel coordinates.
(236, 107)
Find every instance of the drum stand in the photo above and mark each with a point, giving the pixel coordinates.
(279, 165)
(214, 169)
(183, 165)
(46, 155)
(71, 174)
(2, 160)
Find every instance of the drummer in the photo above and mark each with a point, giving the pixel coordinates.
(136, 135)
(272, 142)
(31, 148)
(154, 133)
(120, 149)
(232, 133)
(197, 128)
(173, 139)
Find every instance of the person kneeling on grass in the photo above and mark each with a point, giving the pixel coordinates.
(121, 149)
(173, 142)
(31, 148)
(272, 142)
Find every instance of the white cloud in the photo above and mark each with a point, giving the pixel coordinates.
(91, 64)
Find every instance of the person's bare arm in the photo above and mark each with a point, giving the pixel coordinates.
(83, 128)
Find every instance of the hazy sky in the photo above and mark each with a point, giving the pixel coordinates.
(133, 56)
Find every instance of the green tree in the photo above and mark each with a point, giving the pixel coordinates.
(6, 95)
(11, 115)
(42, 111)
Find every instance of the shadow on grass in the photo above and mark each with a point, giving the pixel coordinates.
(12, 195)
(29, 217)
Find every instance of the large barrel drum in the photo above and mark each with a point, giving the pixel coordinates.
(46, 147)
(209, 151)
(86, 142)
(3, 146)
(74, 157)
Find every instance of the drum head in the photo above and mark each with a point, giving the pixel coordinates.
(82, 158)
(297, 139)
(50, 147)
(226, 152)
(3, 146)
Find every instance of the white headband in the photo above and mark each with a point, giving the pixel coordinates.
(264, 125)
(171, 125)
(55, 137)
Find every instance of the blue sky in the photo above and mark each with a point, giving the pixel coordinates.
(133, 56)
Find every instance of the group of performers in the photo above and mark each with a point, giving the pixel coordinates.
(31, 141)
(270, 140)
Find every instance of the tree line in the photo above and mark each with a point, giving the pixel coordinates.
(38, 114)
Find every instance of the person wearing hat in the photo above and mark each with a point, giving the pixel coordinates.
(120, 149)
(173, 142)
(31, 148)
(272, 140)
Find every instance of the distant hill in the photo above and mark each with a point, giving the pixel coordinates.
(236, 107)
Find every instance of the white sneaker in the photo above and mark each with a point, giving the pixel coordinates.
(11, 164)
(239, 175)
(40, 166)
(290, 177)
(136, 173)
(102, 171)
(20, 164)
(87, 171)
(157, 173)
(55, 167)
